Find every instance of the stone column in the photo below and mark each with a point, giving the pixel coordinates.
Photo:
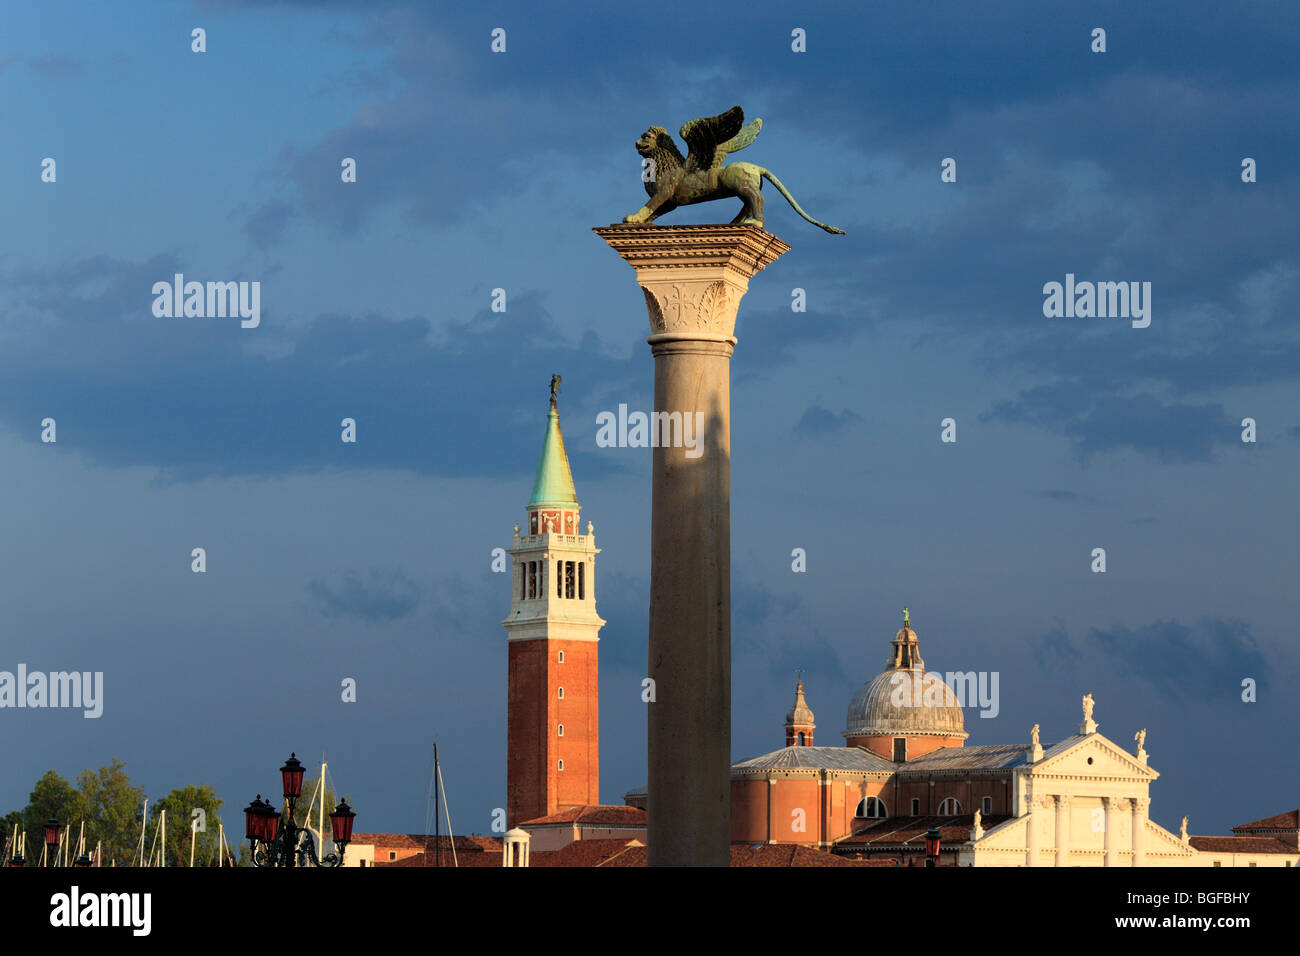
(1140, 805)
(1031, 840)
(693, 278)
(1062, 830)
(1112, 805)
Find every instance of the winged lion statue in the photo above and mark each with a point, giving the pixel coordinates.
(672, 180)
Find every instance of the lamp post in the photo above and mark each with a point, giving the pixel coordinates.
(932, 840)
(278, 842)
(53, 828)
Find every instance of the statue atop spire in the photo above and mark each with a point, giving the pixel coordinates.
(907, 619)
(554, 482)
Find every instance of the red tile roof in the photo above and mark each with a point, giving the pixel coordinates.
(1240, 844)
(786, 854)
(461, 859)
(629, 853)
(388, 840)
(593, 816)
(1283, 821)
(592, 853)
(909, 832)
(470, 851)
(421, 841)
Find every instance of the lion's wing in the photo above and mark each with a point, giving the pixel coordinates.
(742, 139)
(704, 135)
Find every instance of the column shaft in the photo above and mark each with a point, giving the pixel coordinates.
(690, 610)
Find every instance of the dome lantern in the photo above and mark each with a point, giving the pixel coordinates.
(904, 712)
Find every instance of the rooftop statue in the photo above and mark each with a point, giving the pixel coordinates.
(672, 180)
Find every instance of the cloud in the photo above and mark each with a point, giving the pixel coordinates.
(1200, 662)
(821, 421)
(1171, 431)
(267, 223)
(82, 345)
(382, 596)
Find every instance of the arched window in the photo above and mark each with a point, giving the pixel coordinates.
(801, 738)
(561, 657)
(949, 807)
(561, 694)
(988, 806)
(561, 733)
(872, 808)
(561, 763)
(582, 581)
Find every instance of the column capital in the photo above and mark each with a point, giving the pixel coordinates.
(693, 277)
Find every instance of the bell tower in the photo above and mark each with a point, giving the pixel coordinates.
(799, 723)
(552, 747)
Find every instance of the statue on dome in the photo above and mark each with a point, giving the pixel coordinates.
(907, 620)
(555, 388)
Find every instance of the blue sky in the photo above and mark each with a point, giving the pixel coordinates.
(479, 171)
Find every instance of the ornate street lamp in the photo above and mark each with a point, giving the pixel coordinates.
(52, 830)
(932, 840)
(276, 841)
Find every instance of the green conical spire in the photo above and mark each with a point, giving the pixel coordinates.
(554, 482)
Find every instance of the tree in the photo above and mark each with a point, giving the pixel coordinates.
(307, 804)
(113, 809)
(51, 797)
(182, 822)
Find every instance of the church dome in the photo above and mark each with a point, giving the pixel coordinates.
(904, 703)
(903, 700)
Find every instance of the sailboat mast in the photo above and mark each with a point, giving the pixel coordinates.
(144, 822)
(320, 815)
(437, 842)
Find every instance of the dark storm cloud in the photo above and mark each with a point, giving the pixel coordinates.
(1054, 652)
(1201, 662)
(1172, 431)
(266, 225)
(95, 358)
(380, 596)
(822, 421)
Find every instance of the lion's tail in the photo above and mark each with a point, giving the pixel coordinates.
(767, 174)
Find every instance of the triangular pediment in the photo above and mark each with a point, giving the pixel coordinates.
(1093, 756)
